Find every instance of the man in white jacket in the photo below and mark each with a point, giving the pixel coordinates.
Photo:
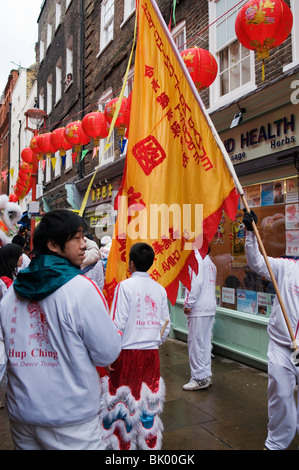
(283, 374)
(134, 394)
(200, 308)
(56, 330)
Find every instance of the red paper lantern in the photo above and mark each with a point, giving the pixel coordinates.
(25, 168)
(262, 25)
(121, 120)
(128, 114)
(34, 145)
(201, 65)
(13, 197)
(45, 145)
(75, 135)
(95, 125)
(27, 155)
(59, 141)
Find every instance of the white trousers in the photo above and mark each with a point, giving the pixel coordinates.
(200, 346)
(85, 436)
(283, 411)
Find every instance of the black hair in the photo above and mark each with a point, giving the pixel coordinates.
(9, 257)
(142, 256)
(59, 226)
(19, 240)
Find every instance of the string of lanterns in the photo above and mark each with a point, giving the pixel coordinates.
(94, 125)
(260, 25)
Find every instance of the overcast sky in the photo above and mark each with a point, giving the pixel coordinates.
(18, 35)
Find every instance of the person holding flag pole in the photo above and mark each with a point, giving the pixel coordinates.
(283, 370)
(283, 352)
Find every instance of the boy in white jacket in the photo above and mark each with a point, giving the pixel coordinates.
(56, 330)
(134, 394)
(200, 308)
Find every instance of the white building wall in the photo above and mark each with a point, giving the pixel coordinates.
(20, 137)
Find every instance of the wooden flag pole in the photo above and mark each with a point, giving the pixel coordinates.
(263, 251)
(163, 328)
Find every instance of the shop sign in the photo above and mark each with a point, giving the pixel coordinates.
(273, 134)
(102, 192)
(99, 221)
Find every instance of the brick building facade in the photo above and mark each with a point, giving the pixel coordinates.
(5, 123)
(60, 52)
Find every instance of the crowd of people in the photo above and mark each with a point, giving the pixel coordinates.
(79, 376)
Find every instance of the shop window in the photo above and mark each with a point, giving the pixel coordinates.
(237, 286)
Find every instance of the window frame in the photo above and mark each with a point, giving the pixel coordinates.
(216, 100)
(104, 42)
(128, 8)
(103, 100)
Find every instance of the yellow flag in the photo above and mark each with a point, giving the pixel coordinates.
(176, 180)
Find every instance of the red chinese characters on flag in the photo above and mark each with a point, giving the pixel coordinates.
(149, 154)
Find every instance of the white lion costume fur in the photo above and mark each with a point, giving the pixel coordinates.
(10, 214)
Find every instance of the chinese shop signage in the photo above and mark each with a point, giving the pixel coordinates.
(101, 193)
(265, 135)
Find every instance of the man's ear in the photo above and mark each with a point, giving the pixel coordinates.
(53, 246)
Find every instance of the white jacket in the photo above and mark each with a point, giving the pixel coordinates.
(96, 273)
(140, 310)
(53, 346)
(201, 298)
(286, 273)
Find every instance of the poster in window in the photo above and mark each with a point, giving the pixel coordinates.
(228, 295)
(291, 190)
(292, 216)
(218, 294)
(238, 235)
(273, 193)
(292, 243)
(264, 303)
(253, 195)
(247, 301)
